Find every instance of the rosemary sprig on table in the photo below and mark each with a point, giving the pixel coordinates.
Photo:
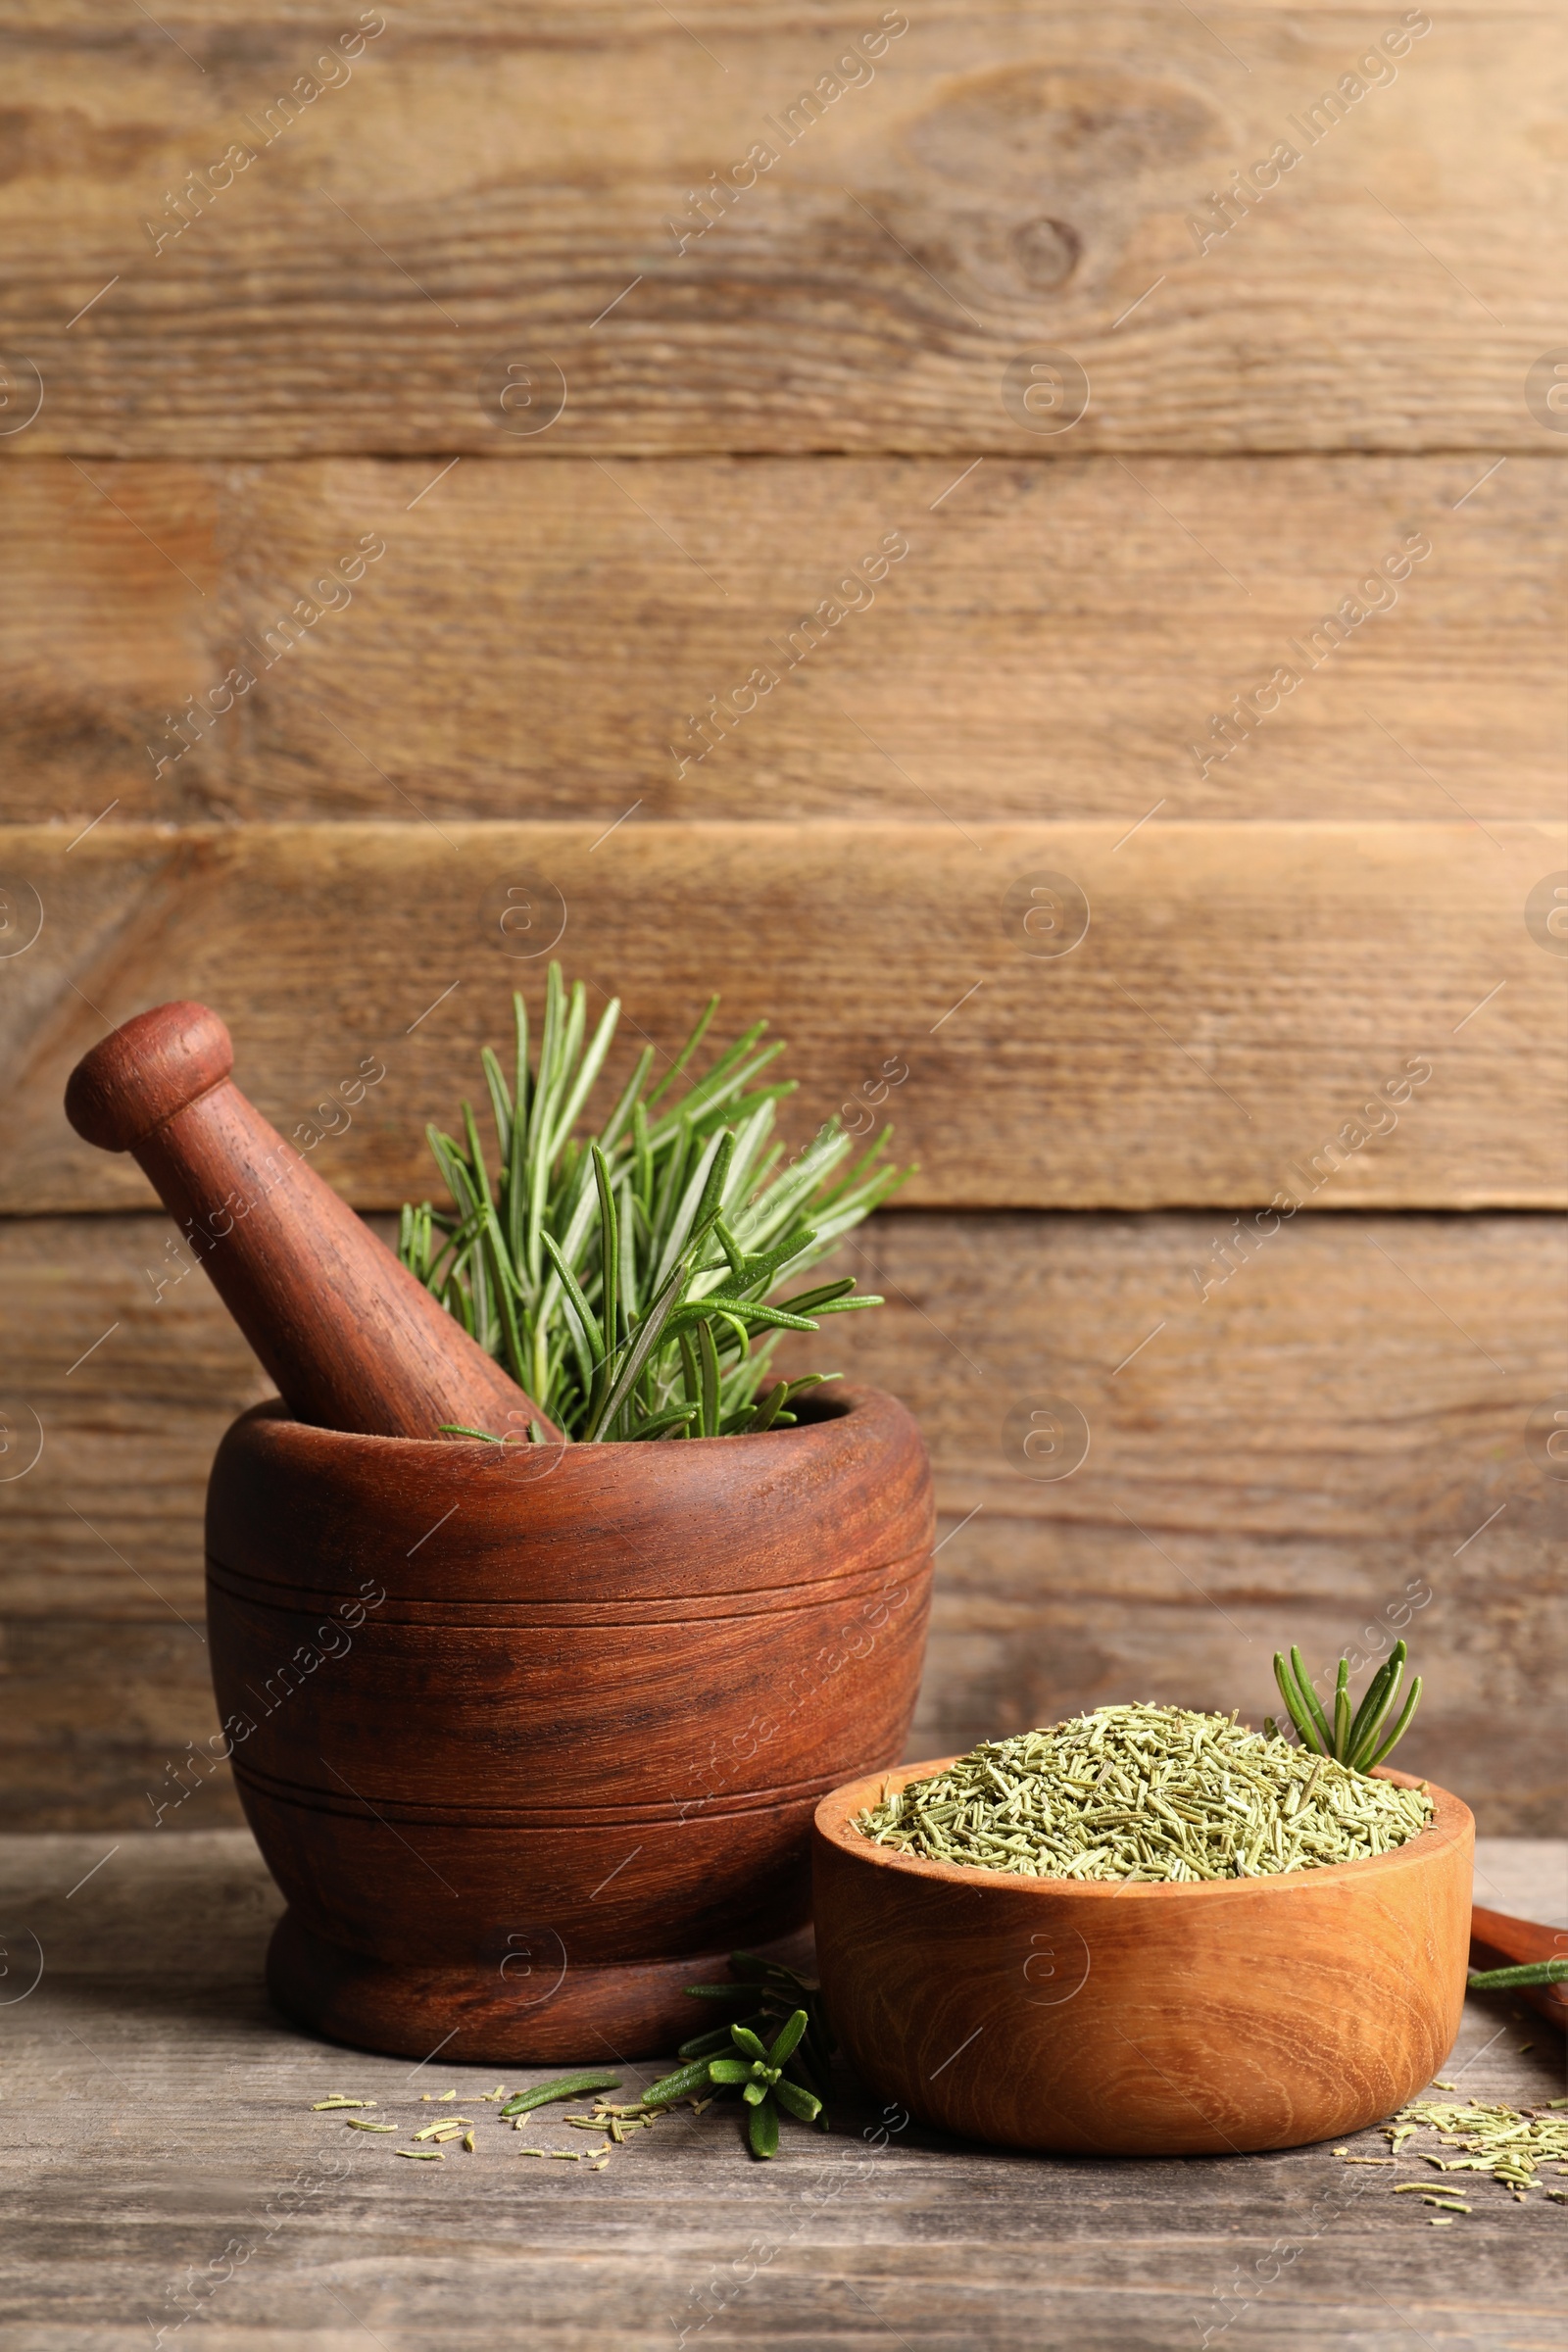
(789, 2072)
(1356, 1742)
(757, 2069)
(626, 1280)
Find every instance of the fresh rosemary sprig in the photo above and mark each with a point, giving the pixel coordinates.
(758, 2071)
(626, 1281)
(1528, 1972)
(1356, 1742)
(790, 2072)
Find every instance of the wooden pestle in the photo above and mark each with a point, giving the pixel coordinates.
(1499, 1942)
(353, 1341)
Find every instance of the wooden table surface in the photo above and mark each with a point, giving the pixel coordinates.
(164, 2172)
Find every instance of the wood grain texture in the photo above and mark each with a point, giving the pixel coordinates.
(1321, 1451)
(350, 1338)
(1246, 1002)
(163, 2121)
(493, 189)
(1141, 2019)
(595, 1690)
(537, 641)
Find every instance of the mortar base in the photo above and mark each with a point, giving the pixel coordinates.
(623, 2010)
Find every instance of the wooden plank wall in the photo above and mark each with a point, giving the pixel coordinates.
(470, 461)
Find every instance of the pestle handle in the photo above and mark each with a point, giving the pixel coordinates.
(353, 1341)
(1497, 1940)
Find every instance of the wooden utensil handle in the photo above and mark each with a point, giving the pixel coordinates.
(1499, 1942)
(352, 1338)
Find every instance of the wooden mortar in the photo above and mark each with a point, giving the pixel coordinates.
(1177, 2020)
(531, 1737)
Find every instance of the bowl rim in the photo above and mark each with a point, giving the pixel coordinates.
(1451, 1824)
(846, 1400)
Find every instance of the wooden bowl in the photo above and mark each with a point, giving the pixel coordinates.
(531, 1737)
(1143, 2020)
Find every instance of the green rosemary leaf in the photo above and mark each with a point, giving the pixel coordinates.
(711, 1202)
(1342, 1710)
(761, 2131)
(684, 2083)
(564, 2086)
(708, 1356)
(1400, 1728)
(642, 1159)
(592, 1338)
(729, 2070)
(865, 1176)
(455, 1428)
(691, 1370)
(1381, 1696)
(521, 1088)
(500, 1100)
(800, 2103)
(592, 1063)
(720, 1992)
(754, 2092)
(505, 1284)
(633, 1224)
(678, 1416)
(627, 1104)
(1375, 1702)
(679, 1065)
(746, 1310)
(817, 1301)
(678, 1215)
(638, 1350)
(732, 1250)
(744, 2039)
(723, 1078)
(1310, 1701)
(712, 2044)
(788, 2035)
(609, 1249)
(772, 1404)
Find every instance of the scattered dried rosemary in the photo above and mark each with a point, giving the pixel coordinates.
(1494, 2138)
(1142, 1793)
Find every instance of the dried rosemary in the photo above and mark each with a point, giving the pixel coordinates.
(1492, 2139)
(1144, 1794)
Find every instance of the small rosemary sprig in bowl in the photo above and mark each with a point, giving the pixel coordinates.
(1357, 1741)
(626, 1280)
